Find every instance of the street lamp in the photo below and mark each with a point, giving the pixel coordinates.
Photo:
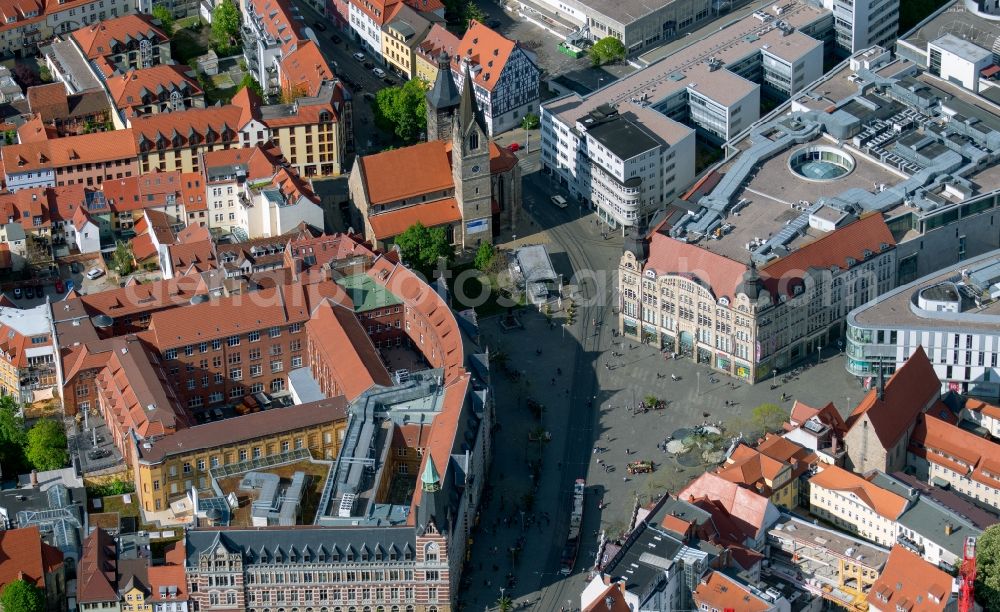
(697, 390)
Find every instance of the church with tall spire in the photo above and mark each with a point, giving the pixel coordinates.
(459, 180)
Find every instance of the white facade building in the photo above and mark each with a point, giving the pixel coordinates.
(366, 28)
(957, 60)
(863, 23)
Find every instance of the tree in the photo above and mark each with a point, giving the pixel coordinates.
(504, 604)
(402, 110)
(12, 437)
(22, 596)
(123, 259)
(530, 122)
(252, 84)
(988, 568)
(44, 74)
(166, 18)
(484, 255)
(47, 446)
(473, 12)
(608, 49)
(225, 27)
(769, 417)
(422, 247)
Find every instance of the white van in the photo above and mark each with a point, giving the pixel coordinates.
(559, 201)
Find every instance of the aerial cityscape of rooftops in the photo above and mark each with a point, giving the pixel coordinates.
(443, 305)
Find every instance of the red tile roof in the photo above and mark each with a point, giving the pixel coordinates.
(162, 578)
(910, 583)
(393, 223)
(910, 390)
(35, 130)
(94, 148)
(193, 257)
(96, 572)
(279, 21)
(438, 39)
(750, 510)
(669, 256)
(260, 162)
(407, 172)
(22, 552)
(884, 502)
(833, 249)
(189, 128)
(335, 327)
(615, 594)
(98, 39)
(49, 101)
(484, 49)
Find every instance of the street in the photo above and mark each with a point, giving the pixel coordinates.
(587, 380)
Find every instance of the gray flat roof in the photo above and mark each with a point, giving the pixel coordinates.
(962, 48)
(625, 11)
(928, 519)
(955, 19)
(623, 137)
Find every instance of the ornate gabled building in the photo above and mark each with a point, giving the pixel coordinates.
(459, 180)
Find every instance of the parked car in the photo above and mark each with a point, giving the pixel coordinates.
(379, 73)
(359, 56)
(18, 293)
(389, 81)
(74, 267)
(514, 147)
(369, 65)
(29, 293)
(60, 287)
(336, 39)
(493, 23)
(94, 273)
(320, 26)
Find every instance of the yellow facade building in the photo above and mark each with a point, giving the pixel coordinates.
(403, 31)
(168, 468)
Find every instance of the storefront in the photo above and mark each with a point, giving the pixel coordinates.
(742, 371)
(722, 362)
(704, 355)
(648, 333)
(668, 342)
(629, 327)
(687, 342)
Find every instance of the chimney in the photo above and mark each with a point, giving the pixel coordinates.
(948, 528)
(34, 479)
(835, 444)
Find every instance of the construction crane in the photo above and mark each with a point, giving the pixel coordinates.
(967, 574)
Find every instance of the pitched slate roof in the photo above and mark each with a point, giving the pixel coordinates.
(907, 393)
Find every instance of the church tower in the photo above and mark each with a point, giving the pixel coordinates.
(442, 101)
(432, 500)
(470, 167)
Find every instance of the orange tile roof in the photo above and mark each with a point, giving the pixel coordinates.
(747, 507)
(957, 449)
(49, 101)
(358, 368)
(306, 114)
(976, 405)
(910, 583)
(135, 193)
(911, 389)
(669, 256)
(193, 257)
(486, 49)
(143, 248)
(260, 162)
(307, 66)
(193, 233)
(720, 592)
(833, 249)
(143, 86)
(884, 502)
(147, 297)
(98, 39)
(23, 551)
(167, 576)
(193, 191)
(279, 21)
(389, 224)
(35, 130)
(94, 148)
(407, 172)
(675, 524)
(752, 469)
(190, 127)
(249, 104)
(65, 201)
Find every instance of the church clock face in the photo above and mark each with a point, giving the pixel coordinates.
(475, 169)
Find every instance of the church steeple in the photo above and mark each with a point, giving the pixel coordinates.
(468, 109)
(442, 100)
(432, 499)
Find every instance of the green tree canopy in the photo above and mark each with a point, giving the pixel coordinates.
(47, 445)
(530, 122)
(988, 568)
(472, 11)
(608, 49)
(769, 417)
(252, 84)
(123, 259)
(22, 596)
(484, 255)
(402, 110)
(422, 247)
(13, 438)
(225, 27)
(166, 18)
